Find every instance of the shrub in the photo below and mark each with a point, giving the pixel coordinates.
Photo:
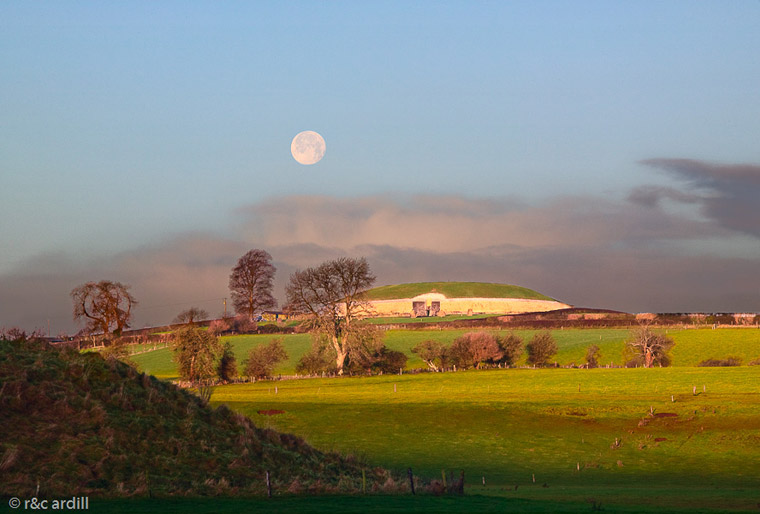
(244, 325)
(593, 354)
(433, 353)
(715, 363)
(391, 361)
(219, 326)
(227, 369)
(541, 349)
(316, 361)
(263, 359)
(16, 335)
(269, 328)
(475, 349)
(511, 347)
(196, 352)
(118, 350)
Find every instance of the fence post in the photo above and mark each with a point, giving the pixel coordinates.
(411, 479)
(269, 486)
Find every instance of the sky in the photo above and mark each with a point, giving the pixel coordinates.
(602, 153)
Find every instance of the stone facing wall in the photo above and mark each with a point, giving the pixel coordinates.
(470, 306)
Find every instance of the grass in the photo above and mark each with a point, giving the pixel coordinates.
(694, 346)
(454, 290)
(427, 319)
(352, 504)
(508, 425)
(77, 424)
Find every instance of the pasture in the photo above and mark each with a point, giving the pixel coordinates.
(583, 434)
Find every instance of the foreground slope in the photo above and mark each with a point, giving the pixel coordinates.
(78, 424)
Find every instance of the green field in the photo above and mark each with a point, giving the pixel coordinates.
(427, 319)
(504, 426)
(454, 290)
(692, 346)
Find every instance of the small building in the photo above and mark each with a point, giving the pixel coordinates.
(274, 316)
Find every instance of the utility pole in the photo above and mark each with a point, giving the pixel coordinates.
(225, 307)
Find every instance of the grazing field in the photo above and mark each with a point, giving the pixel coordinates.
(692, 346)
(583, 434)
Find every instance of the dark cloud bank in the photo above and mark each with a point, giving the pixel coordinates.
(660, 250)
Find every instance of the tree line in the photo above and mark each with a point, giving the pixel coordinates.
(330, 300)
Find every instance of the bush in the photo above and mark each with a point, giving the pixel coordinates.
(220, 326)
(541, 349)
(593, 354)
(263, 359)
(511, 347)
(474, 349)
(316, 361)
(196, 352)
(716, 363)
(390, 361)
(434, 353)
(227, 364)
(269, 328)
(16, 335)
(243, 325)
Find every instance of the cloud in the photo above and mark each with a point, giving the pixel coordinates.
(634, 255)
(443, 224)
(727, 193)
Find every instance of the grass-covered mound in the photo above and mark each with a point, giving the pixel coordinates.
(455, 290)
(76, 424)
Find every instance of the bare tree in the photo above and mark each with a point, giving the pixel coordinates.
(251, 283)
(648, 348)
(332, 295)
(191, 315)
(106, 306)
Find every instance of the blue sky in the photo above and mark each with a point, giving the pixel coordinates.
(129, 126)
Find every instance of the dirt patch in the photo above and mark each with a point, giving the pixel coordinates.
(270, 412)
(660, 439)
(666, 415)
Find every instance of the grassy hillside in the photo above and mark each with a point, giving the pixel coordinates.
(559, 425)
(455, 290)
(76, 424)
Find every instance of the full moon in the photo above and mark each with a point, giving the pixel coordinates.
(308, 147)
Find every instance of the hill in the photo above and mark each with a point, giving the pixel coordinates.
(76, 424)
(455, 290)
